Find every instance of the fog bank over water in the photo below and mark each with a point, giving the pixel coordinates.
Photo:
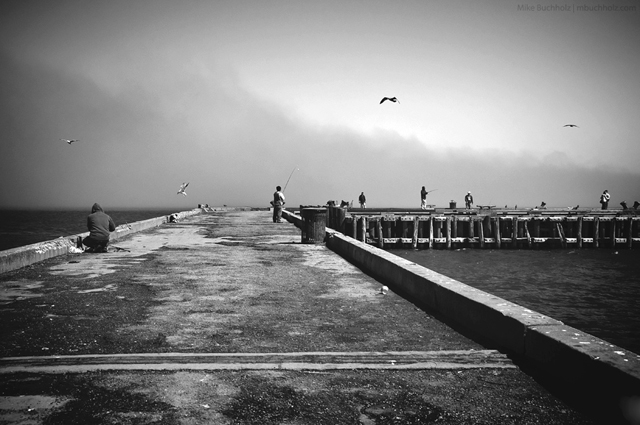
(234, 96)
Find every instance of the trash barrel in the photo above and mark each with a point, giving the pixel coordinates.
(452, 204)
(314, 224)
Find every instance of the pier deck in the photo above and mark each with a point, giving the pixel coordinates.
(492, 229)
(228, 318)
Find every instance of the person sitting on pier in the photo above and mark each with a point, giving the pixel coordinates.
(468, 200)
(363, 200)
(278, 202)
(604, 199)
(100, 226)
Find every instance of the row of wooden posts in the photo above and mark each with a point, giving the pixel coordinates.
(488, 231)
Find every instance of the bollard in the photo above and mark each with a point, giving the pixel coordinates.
(314, 223)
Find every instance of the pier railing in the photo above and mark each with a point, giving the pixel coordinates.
(453, 230)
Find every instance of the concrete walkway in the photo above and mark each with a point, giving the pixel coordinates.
(227, 317)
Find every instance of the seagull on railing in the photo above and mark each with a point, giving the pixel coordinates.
(392, 99)
(570, 125)
(69, 141)
(182, 188)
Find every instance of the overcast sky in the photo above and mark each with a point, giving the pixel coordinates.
(232, 96)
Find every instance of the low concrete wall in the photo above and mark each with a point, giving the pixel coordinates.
(598, 371)
(15, 258)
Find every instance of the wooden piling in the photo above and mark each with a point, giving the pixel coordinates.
(563, 239)
(499, 231)
(430, 232)
(580, 232)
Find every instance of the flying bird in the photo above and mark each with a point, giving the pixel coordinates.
(182, 188)
(69, 141)
(392, 99)
(570, 125)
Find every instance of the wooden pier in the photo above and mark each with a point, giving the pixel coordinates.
(454, 229)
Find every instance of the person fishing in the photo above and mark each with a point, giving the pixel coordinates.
(100, 226)
(278, 202)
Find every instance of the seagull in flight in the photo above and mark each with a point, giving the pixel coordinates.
(69, 141)
(392, 99)
(570, 125)
(182, 188)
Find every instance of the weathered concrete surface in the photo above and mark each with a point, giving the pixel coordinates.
(236, 285)
(582, 363)
(15, 258)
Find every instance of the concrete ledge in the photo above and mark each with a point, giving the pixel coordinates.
(292, 218)
(575, 358)
(15, 258)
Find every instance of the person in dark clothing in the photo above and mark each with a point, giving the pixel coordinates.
(363, 200)
(100, 226)
(468, 200)
(604, 199)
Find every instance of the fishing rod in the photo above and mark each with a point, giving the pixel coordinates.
(429, 191)
(285, 186)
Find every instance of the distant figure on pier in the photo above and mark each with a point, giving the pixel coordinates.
(604, 199)
(423, 198)
(543, 205)
(363, 200)
(636, 204)
(100, 226)
(624, 205)
(278, 202)
(468, 200)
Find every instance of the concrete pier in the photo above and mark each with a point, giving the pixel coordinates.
(226, 317)
(15, 258)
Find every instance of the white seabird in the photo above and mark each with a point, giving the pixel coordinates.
(182, 188)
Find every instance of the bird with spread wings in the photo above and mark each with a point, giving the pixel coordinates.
(69, 141)
(182, 189)
(392, 99)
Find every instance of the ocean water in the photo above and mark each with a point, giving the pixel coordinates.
(24, 227)
(594, 290)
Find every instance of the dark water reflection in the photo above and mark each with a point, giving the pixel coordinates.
(596, 291)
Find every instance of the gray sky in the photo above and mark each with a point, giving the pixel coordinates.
(232, 96)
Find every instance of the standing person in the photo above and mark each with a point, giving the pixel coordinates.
(278, 202)
(468, 200)
(363, 200)
(604, 199)
(100, 225)
(423, 198)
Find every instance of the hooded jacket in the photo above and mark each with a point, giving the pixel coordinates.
(100, 225)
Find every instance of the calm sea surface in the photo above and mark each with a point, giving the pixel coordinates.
(18, 228)
(594, 290)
